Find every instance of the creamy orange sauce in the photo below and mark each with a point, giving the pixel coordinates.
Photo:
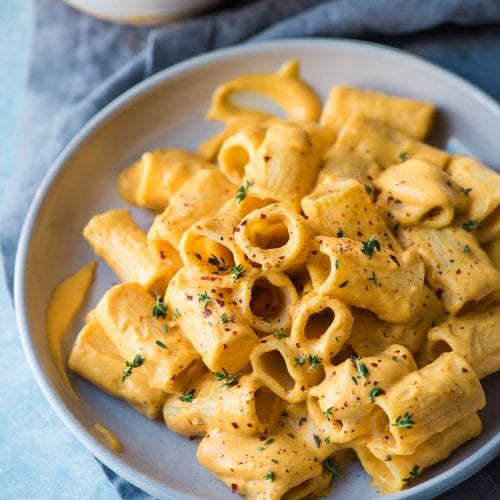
(64, 303)
(111, 440)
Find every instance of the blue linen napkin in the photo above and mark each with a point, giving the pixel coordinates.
(80, 64)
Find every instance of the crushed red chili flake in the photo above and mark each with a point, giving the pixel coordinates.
(235, 425)
(263, 216)
(234, 488)
(207, 313)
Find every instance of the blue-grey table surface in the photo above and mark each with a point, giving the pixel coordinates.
(39, 457)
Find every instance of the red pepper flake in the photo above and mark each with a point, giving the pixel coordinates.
(464, 370)
(263, 216)
(189, 297)
(244, 223)
(235, 425)
(234, 488)
(208, 278)
(236, 229)
(162, 254)
(207, 313)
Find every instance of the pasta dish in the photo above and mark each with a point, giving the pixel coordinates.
(314, 287)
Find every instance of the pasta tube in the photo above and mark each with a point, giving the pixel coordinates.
(211, 321)
(238, 150)
(482, 186)
(134, 321)
(418, 406)
(431, 202)
(370, 335)
(151, 181)
(350, 390)
(409, 116)
(237, 404)
(368, 276)
(202, 196)
(394, 472)
(456, 267)
(266, 300)
(95, 358)
(321, 325)
(376, 142)
(274, 237)
(286, 165)
(474, 337)
(122, 244)
(343, 208)
(209, 245)
(285, 370)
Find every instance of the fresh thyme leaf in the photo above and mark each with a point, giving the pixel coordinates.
(224, 319)
(360, 366)
(204, 297)
(340, 233)
(353, 378)
(314, 361)
(404, 421)
(242, 191)
(466, 191)
(291, 435)
(369, 246)
(230, 380)
(177, 314)
(269, 441)
(332, 466)
(130, 365)
(368, 189)
(466, 249)
(274, 461)
(373, 278)
(414, 473)
(187, 397)
(337, 263)
(317, 440)
(165, 327)
(161, 344)
(343, 284)
(374, 392)
(279, 333)
(269, 475)
(328, 413)
(403, 156)
(219, 264)
(237, 272)
(470, 225)
(160, 308)
(300, 360)
(302, 420)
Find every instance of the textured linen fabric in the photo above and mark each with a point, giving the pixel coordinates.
(80, 64)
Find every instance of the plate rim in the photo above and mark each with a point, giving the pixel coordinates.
(434, 486)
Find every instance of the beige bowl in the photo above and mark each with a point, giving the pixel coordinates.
(146, 12)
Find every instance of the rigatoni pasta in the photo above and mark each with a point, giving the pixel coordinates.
(322, 290)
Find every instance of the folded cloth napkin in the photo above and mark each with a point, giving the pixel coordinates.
(80, 64)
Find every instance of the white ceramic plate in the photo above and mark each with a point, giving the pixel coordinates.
(168, 110)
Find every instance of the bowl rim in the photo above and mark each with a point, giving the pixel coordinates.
(432, 486)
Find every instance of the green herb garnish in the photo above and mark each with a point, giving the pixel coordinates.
(300, 360)
(279, 333)
(317, 440)
(470, 225)
(466, 191)
(466, 249)
(314, 361)
(404, 421)
(219, 264)
(343, 284)
(159, 343)
(373, 278)
(204, 297)
(237, 272)
(403, 156)
(374, 392)
(187, 397)
(230, 380)
(269, 475)
(332, 466)
(360, 366)
(414, 473)
(130, 365)
(160, 308)
(242, 191)
(177, 314)
(369, 246)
